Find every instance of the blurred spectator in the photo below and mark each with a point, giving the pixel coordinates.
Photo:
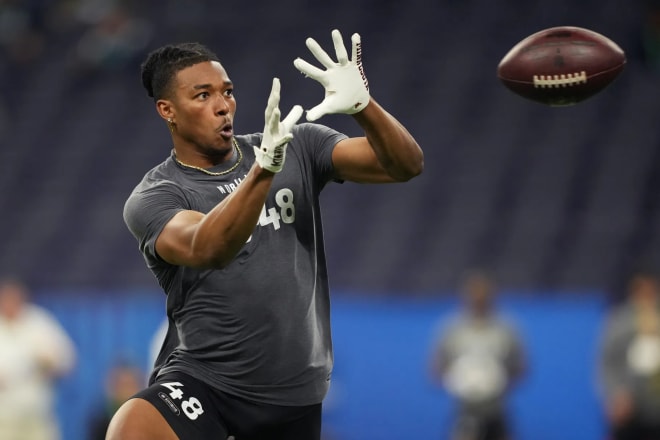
(630, 362)
(477, 357)
(123, 381)
(34, 350)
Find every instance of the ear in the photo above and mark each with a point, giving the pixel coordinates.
(165, 109)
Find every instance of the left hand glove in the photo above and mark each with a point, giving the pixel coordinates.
(346, 86)
(272, 152)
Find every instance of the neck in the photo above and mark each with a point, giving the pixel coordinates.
(208, 161)
(205, 157)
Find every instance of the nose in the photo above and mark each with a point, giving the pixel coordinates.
(222, 105)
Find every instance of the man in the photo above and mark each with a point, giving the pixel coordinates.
(34, 352)
(235, 240)
(477, 358)
(629, 362)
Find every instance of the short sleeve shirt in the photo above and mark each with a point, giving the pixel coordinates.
(258, 328)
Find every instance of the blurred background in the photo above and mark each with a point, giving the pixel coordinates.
(560, 203)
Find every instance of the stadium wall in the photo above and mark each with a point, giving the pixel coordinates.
(381, 389)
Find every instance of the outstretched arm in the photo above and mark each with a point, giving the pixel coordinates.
(387, 152)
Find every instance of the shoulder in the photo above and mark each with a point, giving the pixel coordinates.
(317, 143)
(40, 316)
(620, 319)
(307, 133)
(448, 326)
(161, 179)
(250, 139)
(316, 131)
(507, 327)
(161, 190)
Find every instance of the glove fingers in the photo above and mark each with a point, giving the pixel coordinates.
(274, 121)
(285, 139)
(340, 49)
(273, 99)
(318, 111)
(291, 119)
(309, 70)
(319, 53)
(355, 39)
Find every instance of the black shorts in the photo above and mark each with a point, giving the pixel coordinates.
(196, 411)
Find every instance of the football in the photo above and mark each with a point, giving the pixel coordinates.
(561, 66)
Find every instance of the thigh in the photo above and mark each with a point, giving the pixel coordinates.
(196, 411)
(187, 405)
(306, 426)
(248, 420)
(139, 419)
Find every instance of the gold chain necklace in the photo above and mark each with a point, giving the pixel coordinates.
(211, 173)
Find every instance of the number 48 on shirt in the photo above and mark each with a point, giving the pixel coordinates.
(286, 212)
(191, 407)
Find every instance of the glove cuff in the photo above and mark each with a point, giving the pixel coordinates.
(271, 159)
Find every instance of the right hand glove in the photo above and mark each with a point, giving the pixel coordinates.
(346, 86)
(270, 155)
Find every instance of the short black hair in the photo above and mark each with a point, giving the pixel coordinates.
(163, 63)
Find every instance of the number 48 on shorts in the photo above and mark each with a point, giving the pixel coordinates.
(190, 406)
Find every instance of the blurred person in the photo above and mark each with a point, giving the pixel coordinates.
(34, 351)
(122, 382)
(230, 225)
(629, 365)
(478, 356)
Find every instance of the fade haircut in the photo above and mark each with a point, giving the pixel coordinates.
(161, 66)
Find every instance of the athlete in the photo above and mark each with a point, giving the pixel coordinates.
(230, 225)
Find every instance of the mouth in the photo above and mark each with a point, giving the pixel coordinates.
(226, 130)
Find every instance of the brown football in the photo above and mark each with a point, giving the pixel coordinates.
(561, 66)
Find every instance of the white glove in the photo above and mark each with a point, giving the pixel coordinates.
(270, 155)
(346, 86)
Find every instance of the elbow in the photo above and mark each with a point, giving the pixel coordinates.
(417, 168)
(216, 257)
(218, 262)
(412, 169)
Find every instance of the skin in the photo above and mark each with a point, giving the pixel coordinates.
(202, 109)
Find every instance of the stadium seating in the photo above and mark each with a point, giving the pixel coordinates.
(562, 198)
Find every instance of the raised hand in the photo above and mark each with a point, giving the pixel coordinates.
(346, 86)
(272, 152)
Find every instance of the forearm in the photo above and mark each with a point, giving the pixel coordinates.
(226, 228)
(212, 240)
(396, 149)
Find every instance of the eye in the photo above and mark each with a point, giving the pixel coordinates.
(203, 95)
(229, 92)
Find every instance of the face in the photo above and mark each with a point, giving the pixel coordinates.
(644, 290)
(478, 291)
(202, 109)
(12, 300)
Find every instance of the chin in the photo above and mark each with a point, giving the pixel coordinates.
(219, 149)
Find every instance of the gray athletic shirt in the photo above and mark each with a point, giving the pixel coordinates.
(260, 327)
